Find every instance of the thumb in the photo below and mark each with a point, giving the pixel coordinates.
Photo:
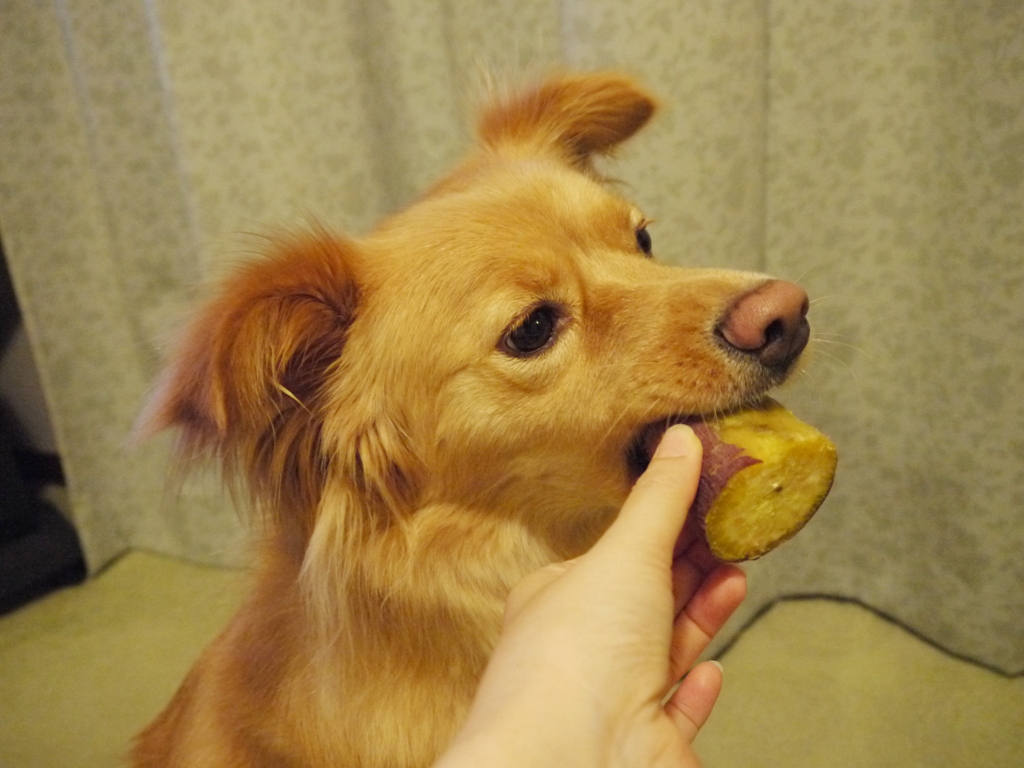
(656, 508)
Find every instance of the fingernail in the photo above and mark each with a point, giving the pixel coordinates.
(717, 664)
(676, 442)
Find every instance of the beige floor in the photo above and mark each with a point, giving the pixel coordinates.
(813, 683)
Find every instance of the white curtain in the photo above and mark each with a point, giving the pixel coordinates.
(872, 150)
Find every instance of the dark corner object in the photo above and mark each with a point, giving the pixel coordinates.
(39, 549)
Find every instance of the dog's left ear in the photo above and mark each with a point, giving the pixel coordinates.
(248, 376)
(576, 116)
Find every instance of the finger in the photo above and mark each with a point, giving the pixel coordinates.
(686, 578)
(690, 705)
(692, 531)
(656, 509)
(699, 553)
(689, 569)
(714, 601)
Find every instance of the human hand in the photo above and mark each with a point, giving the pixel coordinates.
(591, 647)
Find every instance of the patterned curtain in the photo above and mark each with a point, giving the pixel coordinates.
(872, 150)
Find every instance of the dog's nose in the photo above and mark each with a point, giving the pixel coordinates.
(769, 323)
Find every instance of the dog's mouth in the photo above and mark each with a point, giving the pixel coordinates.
(721, 460)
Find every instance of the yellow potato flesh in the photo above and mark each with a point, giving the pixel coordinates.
(765, 504)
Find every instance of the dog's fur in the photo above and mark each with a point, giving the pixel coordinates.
(409, 463)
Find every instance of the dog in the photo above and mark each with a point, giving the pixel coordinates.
(426, 414)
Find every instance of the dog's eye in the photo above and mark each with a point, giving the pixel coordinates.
(643, 240)
(533, 334)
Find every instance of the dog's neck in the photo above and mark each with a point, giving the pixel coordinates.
(414, 585)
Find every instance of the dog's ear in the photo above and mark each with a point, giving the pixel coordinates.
(247, 378)
(576, 116)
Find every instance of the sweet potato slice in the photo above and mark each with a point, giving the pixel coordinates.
(787, 470)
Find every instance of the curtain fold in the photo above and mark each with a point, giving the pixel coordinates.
(874, 151)
(894, 191)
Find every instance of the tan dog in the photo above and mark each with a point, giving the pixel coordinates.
(427, 414)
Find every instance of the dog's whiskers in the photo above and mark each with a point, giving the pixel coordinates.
(837, 359)
(837, 343)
